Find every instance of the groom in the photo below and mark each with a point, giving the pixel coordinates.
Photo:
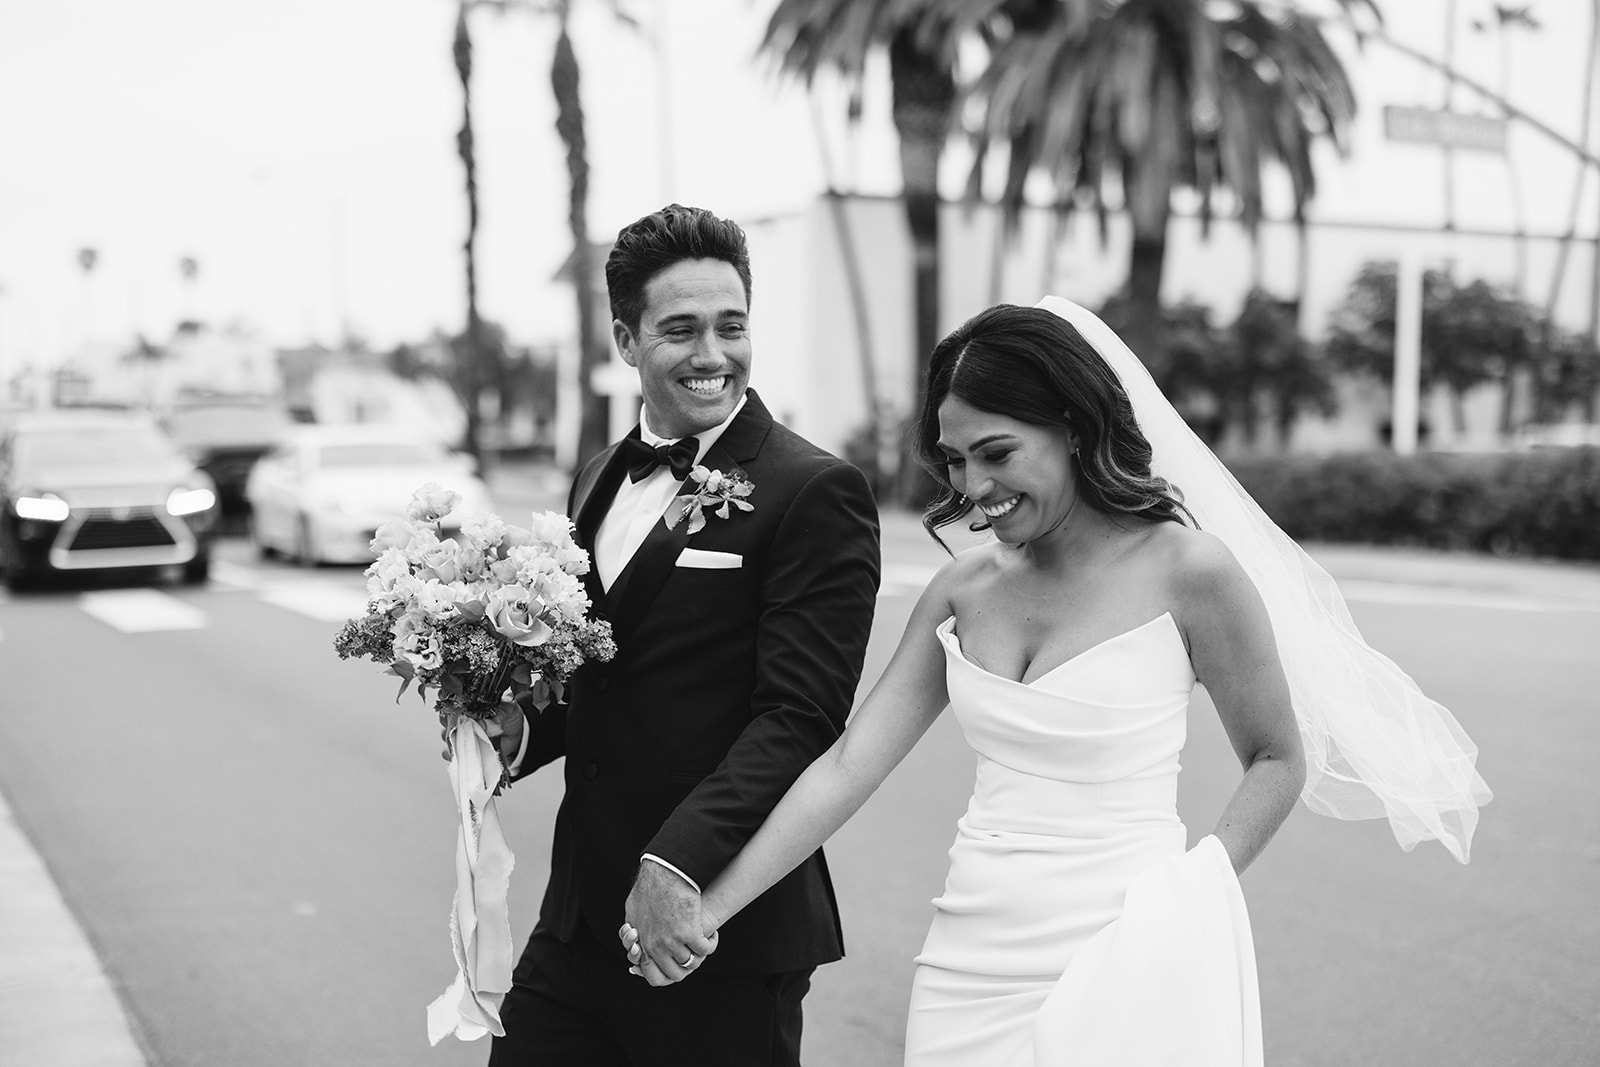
(740, 637)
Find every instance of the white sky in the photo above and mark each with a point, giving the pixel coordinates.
(303, 152)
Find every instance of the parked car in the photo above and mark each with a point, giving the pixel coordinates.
(225, 436)
(322, 493)
(93, 490)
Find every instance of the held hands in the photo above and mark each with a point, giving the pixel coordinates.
(667, 932)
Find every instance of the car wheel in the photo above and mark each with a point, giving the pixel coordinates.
(263, 550)
(14, 576)
(15, 579)
(304, 544)
(197, 570)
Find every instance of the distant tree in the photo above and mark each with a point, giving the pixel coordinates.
(1273, 370)
(1483, 335)
(1158, 95)
(1566, 373)
(1472, 334)
(88, 259)
(477, 363)
(1185, 356)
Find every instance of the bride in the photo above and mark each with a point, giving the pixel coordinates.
(1126, 566)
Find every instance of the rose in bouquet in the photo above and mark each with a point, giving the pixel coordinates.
(497, 615)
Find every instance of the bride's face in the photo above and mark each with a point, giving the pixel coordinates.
(1018, 474)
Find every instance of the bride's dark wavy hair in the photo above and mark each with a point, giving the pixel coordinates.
(1031, 364)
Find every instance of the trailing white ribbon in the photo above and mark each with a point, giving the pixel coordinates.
(480, 923)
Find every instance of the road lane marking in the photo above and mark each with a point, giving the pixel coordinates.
(141, 611)
(58, 1006)
(1369, 592)
(319, 600)
(909, 580)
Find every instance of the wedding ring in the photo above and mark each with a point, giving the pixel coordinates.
(688, 962)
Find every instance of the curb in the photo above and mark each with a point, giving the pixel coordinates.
(57, 1007)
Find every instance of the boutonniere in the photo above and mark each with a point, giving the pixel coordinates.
(711, 489)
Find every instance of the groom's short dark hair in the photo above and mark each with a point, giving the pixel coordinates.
(652, 244)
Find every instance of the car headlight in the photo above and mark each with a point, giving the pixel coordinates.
(46, 507)
(185, 501)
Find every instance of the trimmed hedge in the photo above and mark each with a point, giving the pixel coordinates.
(1542, 503)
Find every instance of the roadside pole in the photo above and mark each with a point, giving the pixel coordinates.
(1407, 351)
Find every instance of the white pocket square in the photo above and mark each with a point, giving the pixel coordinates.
(711, 561)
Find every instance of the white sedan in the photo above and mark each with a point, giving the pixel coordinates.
(321, 494)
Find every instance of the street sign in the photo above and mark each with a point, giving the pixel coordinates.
(1425, 125)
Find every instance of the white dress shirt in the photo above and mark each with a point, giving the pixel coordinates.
(634, 511)
(638, 506)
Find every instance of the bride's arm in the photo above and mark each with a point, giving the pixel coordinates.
(1236, 658)
(902, 705)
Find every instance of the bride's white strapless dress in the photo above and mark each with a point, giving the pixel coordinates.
(1074, 928)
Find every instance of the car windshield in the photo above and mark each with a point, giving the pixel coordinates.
(91, 446)
(379, 454)
(230, 422)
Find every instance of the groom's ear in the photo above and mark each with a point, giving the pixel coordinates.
(625, 342)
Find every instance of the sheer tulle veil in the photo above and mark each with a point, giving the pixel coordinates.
(1376, 746)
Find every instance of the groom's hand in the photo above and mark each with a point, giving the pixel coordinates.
(666, 911)
(505, 727)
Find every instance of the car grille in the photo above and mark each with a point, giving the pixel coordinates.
(104, 529)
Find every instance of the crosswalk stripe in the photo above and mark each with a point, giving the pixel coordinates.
(141, 611)
(234, 576)
(319, 600)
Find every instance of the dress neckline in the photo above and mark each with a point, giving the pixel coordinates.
(948, 628)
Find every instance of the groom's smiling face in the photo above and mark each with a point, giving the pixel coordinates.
(692, 347)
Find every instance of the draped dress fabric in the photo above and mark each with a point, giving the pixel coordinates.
(1074, 928)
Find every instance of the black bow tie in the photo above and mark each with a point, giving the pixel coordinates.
(643, 459)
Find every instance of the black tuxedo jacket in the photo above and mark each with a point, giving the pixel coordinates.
(727, 683)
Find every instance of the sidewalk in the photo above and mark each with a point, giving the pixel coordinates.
(57, 1007)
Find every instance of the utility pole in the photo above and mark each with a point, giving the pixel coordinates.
(1407, 352)
(1447, 152)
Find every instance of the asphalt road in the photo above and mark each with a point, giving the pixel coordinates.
(259, 841)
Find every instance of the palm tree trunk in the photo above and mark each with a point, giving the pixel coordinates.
(593, 428)
(1147, 193)
(860, 316)
(469, 373)
(923, 94)
(1145, 264)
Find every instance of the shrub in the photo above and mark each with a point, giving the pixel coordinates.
(1544, 503)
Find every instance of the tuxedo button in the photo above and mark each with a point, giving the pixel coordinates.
(602, 683)
(591, 771)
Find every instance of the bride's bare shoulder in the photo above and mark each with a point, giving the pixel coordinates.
(969, 567)
(1197, 562)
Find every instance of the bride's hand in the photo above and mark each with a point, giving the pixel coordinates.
(646, 968)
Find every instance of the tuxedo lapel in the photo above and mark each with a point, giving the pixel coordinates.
(590, 500)
(631, 594)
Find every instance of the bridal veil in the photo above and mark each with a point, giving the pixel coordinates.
(1376, 746)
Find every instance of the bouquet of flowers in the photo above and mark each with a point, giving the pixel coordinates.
(499, 614)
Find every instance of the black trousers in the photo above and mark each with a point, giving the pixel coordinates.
(575, 1005)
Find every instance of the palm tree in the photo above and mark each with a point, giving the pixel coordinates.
(593, 420)
(468, 377)
(922, 38)
(1159, 95)
(593, 429)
